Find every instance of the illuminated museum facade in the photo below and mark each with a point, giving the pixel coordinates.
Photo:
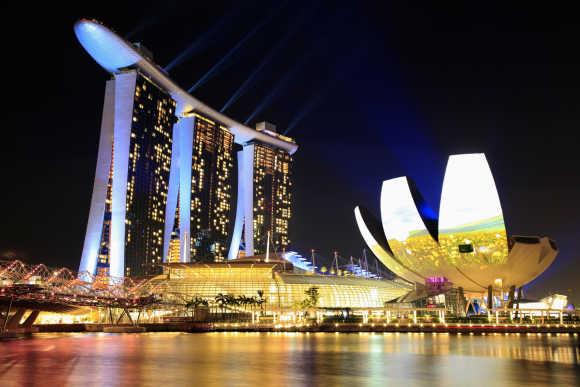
(165, 180)
(465, 246)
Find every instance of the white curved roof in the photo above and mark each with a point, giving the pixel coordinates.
(470, 246)
(115, 55)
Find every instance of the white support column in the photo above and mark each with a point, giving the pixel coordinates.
(124, 96)
(245, 204)
(97, 210)
(239, 221)
(414, 317)
(248, 197)
(180, 183)
(172, 191)
(185, 129)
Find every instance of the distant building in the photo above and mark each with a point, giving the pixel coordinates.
(174, 249)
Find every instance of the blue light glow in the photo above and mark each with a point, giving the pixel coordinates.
(267, 59)
(298, 260)
(233, 51)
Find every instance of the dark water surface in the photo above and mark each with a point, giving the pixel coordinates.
(281, 359)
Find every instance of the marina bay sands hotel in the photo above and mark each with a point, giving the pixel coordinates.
(176, 181)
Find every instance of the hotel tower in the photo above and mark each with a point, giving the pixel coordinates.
(167, 185)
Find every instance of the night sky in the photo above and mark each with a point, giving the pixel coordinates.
(369, 91)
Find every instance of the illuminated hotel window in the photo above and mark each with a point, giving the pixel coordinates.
(272, 197)
(211, 190)
(148, 178)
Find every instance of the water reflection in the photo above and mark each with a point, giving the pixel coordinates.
(227, 359)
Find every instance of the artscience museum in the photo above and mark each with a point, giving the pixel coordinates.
(466, 246)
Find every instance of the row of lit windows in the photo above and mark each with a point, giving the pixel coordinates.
(150, 159)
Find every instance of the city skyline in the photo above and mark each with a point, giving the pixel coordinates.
(406, 128)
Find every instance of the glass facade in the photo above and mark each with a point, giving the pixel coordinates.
(281, 290)
(272, 198)
(211, 190)
(148, 178)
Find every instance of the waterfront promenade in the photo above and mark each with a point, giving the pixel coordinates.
(452, 328)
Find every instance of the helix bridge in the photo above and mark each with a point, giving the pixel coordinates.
(35, 288)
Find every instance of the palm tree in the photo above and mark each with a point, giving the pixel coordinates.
(312, 297)
(243, 301)
(188, 306)
(261, 299)
(311, 300)
(231, 300)
(253, 301)
(194, 303)
(221, 300)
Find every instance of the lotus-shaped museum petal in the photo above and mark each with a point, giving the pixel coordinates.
(466, 245)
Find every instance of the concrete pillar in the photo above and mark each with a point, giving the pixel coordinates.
(14, 321)
(388, 316)
(30, 319)
(561, 317)
(414, 317)
(97, 208)
(124, 97)
(180, 186)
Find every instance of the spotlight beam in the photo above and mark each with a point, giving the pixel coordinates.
(330, 82)
(310, 104)
(202, 41)
(268, 58)
(234, 50)
(281, 85)
(290, 74)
